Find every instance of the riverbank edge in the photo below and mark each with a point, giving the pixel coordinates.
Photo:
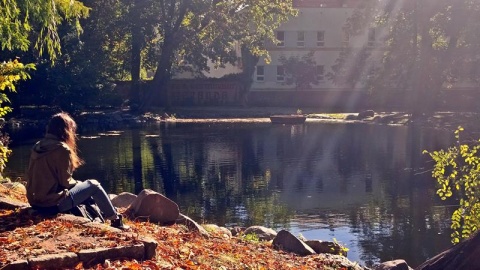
(139, 249)
(109, 117)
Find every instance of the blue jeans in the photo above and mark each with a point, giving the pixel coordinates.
(85, 190)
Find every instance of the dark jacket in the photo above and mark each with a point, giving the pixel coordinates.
(49, 174)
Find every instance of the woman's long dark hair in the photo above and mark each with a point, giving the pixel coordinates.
(64, 127)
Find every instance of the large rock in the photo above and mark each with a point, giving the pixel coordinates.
(462, 256)
(365, 114)
(393, 265)
(191, 225)
(155, 207)
(326, 247)
(53, 261)
(288, 242)
(16, 187)
(263, 233)
(7, 203)
(217, 230)
(123, 200)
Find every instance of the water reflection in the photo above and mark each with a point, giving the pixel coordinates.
(364, 185)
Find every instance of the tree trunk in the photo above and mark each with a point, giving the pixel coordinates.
(135, 67)
(159, 84)
(249, 61)
(136, 43)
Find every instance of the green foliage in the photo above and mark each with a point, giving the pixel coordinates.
(10, 73)
(343, 249)
(202, 32)
(23, 21)
(300, 71)
(251, 237)
(457, 171)
(421, 49)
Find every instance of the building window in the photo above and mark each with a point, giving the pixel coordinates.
(371, 71)
(320, 38)
(281, 38)
(260, 73)
(320, 73)
(300, 39)
(371, 37)
(280, 74)
(346, 39)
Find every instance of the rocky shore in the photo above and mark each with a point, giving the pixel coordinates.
(161, 237)
(114, 117)
(31, 240)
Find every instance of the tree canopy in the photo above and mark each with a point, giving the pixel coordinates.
(301, 71)
(423, 48)
(196, 32)
(24, 22)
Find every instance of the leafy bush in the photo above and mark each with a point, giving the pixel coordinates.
(251, 237)
(457, 171)
(10, 73)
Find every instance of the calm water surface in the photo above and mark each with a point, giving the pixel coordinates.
(365, 186)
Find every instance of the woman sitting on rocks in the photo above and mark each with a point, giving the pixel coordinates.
(50, 186)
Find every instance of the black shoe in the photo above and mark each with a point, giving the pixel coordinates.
(118, 223)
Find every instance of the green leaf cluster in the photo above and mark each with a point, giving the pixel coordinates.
(457, 171)
(24, 21)
(10, 73)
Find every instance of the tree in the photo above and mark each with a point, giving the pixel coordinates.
(422, 48)
(21, 22)
(300, 71)
(457, 171)
(200, 31)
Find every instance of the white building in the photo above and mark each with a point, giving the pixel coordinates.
(319, 27)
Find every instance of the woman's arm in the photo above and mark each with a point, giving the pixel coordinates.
(65, 169)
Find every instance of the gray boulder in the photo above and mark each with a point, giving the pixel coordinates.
(366, 114)
(191, 225)
(218, 230)
(393, 265)
(263, 233)
(16, 187)
(153, 206)
(326, 247)
(123, 200)
(288, 242)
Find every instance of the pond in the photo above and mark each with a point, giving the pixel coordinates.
(368, 187)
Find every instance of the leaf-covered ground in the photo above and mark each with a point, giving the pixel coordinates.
(23, 235)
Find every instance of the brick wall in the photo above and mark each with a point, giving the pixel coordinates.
(204, 92)
(221, 92)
